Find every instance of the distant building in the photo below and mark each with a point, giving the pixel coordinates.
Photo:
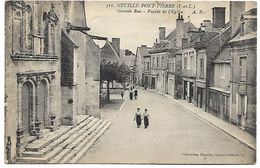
(159, 58)
(128, 58)
(161, 51)
(143, 66)
(243, 72)
(189, 64)
(111, 51)
(175, 74)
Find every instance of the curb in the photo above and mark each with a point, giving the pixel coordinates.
(206, 121)
(122, 105)
(214, 125)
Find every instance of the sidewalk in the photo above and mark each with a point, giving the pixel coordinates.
(228, 128)
(113, 107)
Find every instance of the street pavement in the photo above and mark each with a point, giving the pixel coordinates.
(174, 136)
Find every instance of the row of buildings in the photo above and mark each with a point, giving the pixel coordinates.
(213, 66)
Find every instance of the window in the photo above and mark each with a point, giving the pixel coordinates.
(153, 62)
(50, 20)
(185, 63)
(225, 102)
(22, 28)
(162, 63)
(201, 74)
(146, 66)
(222, 71)
(242, 64)
(243, 28)
(173, 66)
(243, 105)
(191, 54)
(157, 62)
(52, 37)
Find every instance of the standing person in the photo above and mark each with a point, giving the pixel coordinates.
(122, 94)
(131, 94)
(146, 118)
(138, 118)
(135, 94)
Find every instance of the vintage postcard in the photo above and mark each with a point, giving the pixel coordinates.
(130, 82)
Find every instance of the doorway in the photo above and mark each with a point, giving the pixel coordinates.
(42, 103)
(27, 107)
(153, 83)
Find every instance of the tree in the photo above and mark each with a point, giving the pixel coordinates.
(113, 71)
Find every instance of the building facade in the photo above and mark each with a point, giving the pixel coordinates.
(175, 74)
(159, 70)
(243, 73)
(219, 91)
(188, 72)
(143, 66)
(38, 97)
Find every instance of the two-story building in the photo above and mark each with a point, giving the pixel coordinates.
(175, 73)
(189, 64)
(243, 72)
(212, 39)
(161, 51)
(159, 58)
(188, 72)
(219, 90)
(143, 66)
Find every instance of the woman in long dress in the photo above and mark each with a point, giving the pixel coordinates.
(138, 118)
(135, 94)
(146, 118)
(131, 95)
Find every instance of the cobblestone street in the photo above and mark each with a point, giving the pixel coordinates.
(174, 136)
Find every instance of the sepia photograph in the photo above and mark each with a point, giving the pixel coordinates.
(130, 82)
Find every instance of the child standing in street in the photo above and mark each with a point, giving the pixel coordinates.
(138, 118)
(146, 118)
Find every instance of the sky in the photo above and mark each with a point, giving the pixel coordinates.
(135, 29)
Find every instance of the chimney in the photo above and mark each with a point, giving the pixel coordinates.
(143, 46)
(218, 17)
(179, 30)
(161, 33)
(237, 8)
(184, 40)
(207, 23)
(116, 44)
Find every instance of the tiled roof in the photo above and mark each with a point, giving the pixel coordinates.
(129, 60)
(109, 56)
(144, 51)
(223, 56)
(187, 26)
(252, 11)
(249, 36)
(253, 34)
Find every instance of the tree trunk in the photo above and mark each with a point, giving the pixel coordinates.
(108, 94)
(123, 86)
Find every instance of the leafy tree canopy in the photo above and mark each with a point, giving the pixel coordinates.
(113, 71)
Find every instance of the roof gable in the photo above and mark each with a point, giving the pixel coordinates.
(109, 53)
(187, 26)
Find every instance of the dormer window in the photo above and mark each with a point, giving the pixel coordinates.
(50, 20)
(243, 28)
(22, 27)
